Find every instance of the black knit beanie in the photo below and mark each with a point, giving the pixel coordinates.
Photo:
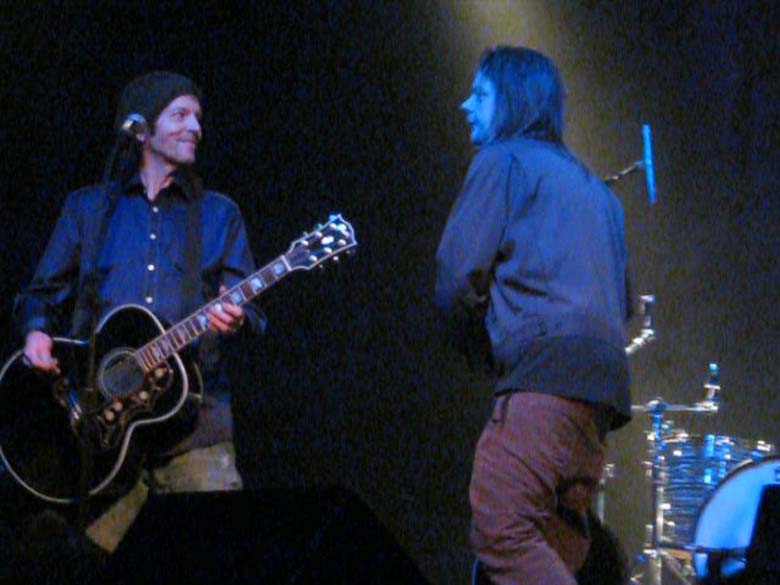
(149, 94)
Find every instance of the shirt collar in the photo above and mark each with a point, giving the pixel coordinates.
(185, 181)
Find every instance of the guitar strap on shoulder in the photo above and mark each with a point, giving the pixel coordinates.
(191, 283)
(87, 294)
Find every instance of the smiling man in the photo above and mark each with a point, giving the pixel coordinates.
(153, 237)
(534, 249)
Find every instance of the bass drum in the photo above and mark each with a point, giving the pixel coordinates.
(725, 524)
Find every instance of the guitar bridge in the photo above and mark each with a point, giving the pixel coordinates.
(116, 414)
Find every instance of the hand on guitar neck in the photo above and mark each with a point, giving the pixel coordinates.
(225, 318)
(37, 352)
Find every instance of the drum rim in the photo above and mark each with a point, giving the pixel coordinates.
(682, 439)
(741, 467)
(680, 434)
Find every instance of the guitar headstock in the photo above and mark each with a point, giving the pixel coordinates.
(327, 240)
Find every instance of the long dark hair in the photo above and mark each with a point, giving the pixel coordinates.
(529, 94)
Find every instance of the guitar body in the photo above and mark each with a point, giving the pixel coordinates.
(139, 379)
(43, 415)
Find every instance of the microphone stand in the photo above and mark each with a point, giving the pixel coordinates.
(645, 164)
(647, 333)
(88, 394)
(87, 398)
(629, 170)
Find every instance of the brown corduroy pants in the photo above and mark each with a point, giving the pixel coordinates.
(536, 467)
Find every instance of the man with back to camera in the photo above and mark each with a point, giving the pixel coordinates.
(158, 239)
(534, 247)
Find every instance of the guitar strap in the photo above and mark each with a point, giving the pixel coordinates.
(191, 283)
(90, 282)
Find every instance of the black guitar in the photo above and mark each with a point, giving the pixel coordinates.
(140, 379)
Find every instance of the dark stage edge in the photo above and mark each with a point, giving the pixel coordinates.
(324, 536)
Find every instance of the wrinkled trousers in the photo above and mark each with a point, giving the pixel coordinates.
(536, 467)
(208, 469)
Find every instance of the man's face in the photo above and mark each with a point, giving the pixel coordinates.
(480, 108)
(177, 132)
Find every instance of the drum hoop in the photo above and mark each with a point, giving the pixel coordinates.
(736, 471)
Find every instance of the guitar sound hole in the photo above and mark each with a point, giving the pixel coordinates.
(120, 375)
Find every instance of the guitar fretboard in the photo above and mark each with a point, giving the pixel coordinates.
(188, 330)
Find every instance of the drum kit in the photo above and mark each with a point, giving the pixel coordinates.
(706, 489)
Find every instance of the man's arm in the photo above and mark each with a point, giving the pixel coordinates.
(237, 265)
(468, 251)
(470, 242)
(37, 307)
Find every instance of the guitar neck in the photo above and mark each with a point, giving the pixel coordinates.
(191, 328)
(325, 242)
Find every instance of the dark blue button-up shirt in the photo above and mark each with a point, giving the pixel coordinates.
(141, 260)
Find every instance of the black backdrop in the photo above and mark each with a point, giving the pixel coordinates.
(313, 107)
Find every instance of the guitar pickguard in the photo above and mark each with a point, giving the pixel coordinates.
(129, 394)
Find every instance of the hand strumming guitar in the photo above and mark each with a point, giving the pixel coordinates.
(37, 352)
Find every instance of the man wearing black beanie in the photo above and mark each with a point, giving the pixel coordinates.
(154, 238)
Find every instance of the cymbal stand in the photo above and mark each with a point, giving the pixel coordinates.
(646, 333)
(607, 473)
(653, 554)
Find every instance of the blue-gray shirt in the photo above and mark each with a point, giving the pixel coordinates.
(535, 245)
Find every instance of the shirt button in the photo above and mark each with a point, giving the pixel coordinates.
(150, 268)
(152, 236)
(156, 209)
(149, 300)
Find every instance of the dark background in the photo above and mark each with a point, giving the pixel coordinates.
(313, 107)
